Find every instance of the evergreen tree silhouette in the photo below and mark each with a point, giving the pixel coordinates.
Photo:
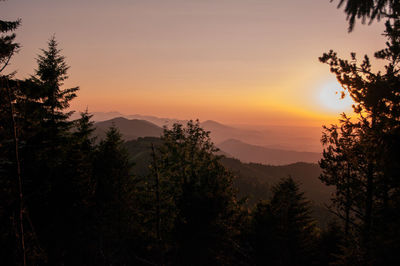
(7, 45)
(373, 186)
(114, 201)
(200, 193)
(50, 75)
(369, 10)
(283, 231)
(10, 169)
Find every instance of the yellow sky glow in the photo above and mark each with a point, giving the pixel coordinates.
(232, 61)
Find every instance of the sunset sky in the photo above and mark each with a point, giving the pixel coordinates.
(234, 61)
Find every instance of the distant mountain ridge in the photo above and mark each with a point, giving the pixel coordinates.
(256, 154)
(134, 128)
(291, 138)
(129, 128)
(104, 116)
(221, 132)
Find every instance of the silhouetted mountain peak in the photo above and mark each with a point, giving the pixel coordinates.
(129, 128)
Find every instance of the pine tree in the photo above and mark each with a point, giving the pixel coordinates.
(202, 201)
(283, 231)
(374, 186)
(7, 45)
(45, 136)
(78, 187)
(11, 183)
(50, 74)
(340, 165)
(114, 201)
(369, 10)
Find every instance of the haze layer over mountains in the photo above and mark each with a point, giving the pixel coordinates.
(272, 145)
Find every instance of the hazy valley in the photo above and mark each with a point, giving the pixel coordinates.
(272, 145)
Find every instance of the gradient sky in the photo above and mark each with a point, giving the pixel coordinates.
(234, 61)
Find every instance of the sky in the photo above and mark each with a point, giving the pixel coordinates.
(233, 61)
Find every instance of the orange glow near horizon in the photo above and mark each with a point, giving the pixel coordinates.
(235, 108)
(236, 62)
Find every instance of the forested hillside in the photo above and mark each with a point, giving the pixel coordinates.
(253, 179)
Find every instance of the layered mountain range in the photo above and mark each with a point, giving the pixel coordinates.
(256, 167)
(268, 146)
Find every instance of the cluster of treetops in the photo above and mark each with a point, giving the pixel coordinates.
(67, 199)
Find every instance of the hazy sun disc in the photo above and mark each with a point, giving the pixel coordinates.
(329, 98)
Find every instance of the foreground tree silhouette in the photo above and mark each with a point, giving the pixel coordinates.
(48, 140)
(283, 231)
(45, 151)
(114, 201)
(340, 165)
(199, 190)
(7, 45)
(369, 192)
(10, 169)
(50, 75)
(369, 10)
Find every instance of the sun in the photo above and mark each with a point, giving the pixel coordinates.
(329, 98)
